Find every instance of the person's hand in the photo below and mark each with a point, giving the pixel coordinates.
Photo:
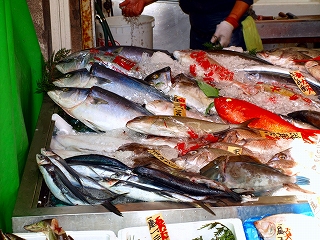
(132, 8)
(223, 33)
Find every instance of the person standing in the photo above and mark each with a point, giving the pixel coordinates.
(211, 21)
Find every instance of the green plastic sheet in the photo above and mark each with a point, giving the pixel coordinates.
(21, 65)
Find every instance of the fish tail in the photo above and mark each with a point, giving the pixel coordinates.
(301, 180)
(108, 205)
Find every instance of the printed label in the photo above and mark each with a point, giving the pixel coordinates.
(179, 106)
(158, 155)
(302, 83)
(288, 135)
(283, 232)
(235, 150)
(157, 227)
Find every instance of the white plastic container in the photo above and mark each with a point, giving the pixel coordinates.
(185, 231)
(132, 31)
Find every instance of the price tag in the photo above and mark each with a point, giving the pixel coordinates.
(235, 150)
(302, 83)
(179, 106)
(158, 155)
(283, 232)
(157, 227)
(288, 135)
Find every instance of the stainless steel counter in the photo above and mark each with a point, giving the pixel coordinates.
(134, 214)
(302, 29)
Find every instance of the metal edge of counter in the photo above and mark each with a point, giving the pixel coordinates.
(76, 218)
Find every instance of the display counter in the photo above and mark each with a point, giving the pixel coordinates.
(32, 194)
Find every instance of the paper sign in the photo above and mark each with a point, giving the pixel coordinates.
(302, 83)
(158, 155)
(179, 106)
(157, 227)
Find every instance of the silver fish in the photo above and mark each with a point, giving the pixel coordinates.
(97, 108)
(130, 88)
(176, 126)
(284, 57)
(63, 189)
(182, 86)
(85, 58)
(276, 70)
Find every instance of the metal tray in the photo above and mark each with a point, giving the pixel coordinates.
(82, 218)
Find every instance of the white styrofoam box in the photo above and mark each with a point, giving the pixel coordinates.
(185, 231)
(76, 235)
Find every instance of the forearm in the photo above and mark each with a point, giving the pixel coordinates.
(238, 10)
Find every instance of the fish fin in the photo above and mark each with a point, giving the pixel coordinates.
(301, 180)
(295, 187)
(108, 205)
(204, 206)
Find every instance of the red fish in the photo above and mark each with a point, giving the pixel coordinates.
(237, 111)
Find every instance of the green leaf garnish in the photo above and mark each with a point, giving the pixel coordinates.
(207, 89)
(222, 232)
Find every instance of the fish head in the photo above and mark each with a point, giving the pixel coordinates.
(41, 226)
(77, 78)
(160, 79)
(42, 159)
(74, 61)
(68, 98)
(313, 68)
(267, 229)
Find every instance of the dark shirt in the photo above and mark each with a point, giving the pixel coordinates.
(208, 6)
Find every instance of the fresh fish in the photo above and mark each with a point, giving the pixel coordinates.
(236, 111)
(307, 116)
(85, 58)
(298, 123)
(118, 83)
(159, 107)
(63, 189)
(50, 227)
(97, 108)
(97, 159)
(182, 86)
(243, 174)
(81, 78)
(178, 183)
(313, 68)
(9, 236)
(194, 160)
(281, 71)
(285, 57)
(133, 53)
(126, 86)
(202, 65)
(176, 126)
(284, 162)
(288, 226)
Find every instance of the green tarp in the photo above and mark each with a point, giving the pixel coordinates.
(21, 64)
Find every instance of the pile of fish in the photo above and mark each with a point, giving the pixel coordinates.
(194, 126)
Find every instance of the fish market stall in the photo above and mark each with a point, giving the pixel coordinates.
(214, 162)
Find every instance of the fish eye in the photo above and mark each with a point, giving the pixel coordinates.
(68, 75)
(65, 89)
(193, 152)
(282, 156)
(155, 76)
